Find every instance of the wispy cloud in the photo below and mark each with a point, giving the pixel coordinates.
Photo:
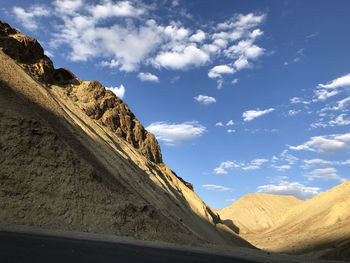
(215, 187)
(325, 174)
(325, 144)
(290, 188)
(252, 114)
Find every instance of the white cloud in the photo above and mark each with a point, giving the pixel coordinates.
(198, 37)
(339, 121)
(244, 49)
(110, 9)
(234, 81)
(230, 200)
(291, 159)
(28, 18)
(111, 64)
(293, 112)
(290, 188)
(243, 22)
(250, 167)
(230, 123)
(189, 56)
(215, 187)
(67, 6)
(222, 168)
(259, 161)
(147, 77)
(118, 91)
(204, 99)
(231, 131)
(252, 114)
(341, 104)
(325, 91)
(296, 100)
(241, 63)
(317, 162)
(325, 174)
(326, 144)
(219, 124)
(217, 71)
(172, 134)
(337, 83)
(281, 167)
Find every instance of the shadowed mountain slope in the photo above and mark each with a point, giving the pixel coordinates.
(74, 157)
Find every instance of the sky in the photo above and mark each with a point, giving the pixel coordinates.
(243, 96)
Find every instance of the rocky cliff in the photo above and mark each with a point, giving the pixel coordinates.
(73, 156)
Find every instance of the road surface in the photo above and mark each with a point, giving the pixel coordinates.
(20, 247)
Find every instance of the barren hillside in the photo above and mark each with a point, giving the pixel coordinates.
(74, 157)
(255, 212)
(319, 226)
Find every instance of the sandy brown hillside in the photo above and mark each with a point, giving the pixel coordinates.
(74, 157)
(319, 227)
(255, 212)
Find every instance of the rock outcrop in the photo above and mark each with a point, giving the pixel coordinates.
(98, 103)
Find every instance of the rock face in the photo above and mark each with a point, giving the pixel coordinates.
(94, 99)
(74, 157)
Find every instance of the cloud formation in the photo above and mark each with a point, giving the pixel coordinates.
(325, 144)
(290, 188)
(215, 187)
(173, 134)
(204, 99)
(118, 91)
(147, 77)
(252, 114)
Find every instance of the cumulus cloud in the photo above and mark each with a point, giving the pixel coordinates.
(147, 77)
(136, 40)
(198, 37)
(28, 18)
(290, 188)
(119, 9)
(231, 131)
(204, 99)
(172, 134)
(252, 114)
(325, 144)
(317, 162)
(218, 71)
(339, 121)
(118, 91)
(325, 174)
(215, 187)
(189, 56)
(219, 124)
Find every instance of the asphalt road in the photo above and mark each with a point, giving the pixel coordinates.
(19, 247)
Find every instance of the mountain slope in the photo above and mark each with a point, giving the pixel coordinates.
(319, 226)
(73, 156)
(255, 212)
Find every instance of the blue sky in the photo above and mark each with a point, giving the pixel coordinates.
(243, 96)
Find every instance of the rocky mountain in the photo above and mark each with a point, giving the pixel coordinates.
(73, 156)
(316, 228)
(319, 227)
(255, 212)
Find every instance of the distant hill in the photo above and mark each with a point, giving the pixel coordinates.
(255, 212)
(319, 226)
(73, 156)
